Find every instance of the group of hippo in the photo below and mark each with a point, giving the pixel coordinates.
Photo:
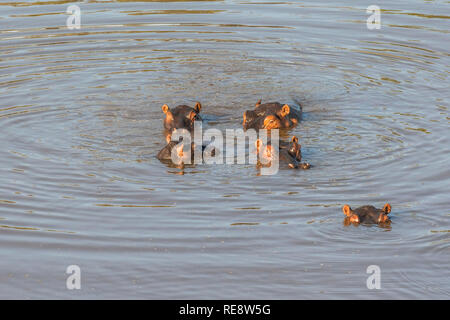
(272, 115)
(265, 116)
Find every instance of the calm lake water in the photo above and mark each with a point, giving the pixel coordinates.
(81, 124)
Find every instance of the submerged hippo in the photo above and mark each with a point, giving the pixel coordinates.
(293, 148)
(165, 154)
(288, 154)
(271, 115)
(367, 214)
(181, 117)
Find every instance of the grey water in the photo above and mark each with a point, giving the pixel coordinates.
(81, 124)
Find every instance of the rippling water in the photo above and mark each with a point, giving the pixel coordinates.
(81, 124)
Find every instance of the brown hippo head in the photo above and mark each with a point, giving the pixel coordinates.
(181, 117)
(367, 214)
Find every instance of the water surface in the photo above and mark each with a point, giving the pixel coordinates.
(81, 123)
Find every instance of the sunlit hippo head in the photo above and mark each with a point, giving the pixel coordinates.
(295, 149)
(180, 152)
(288, 156)
(271, 115)
(181, 117)
(367, 214)
(252, 121)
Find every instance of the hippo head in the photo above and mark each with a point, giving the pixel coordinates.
(181, 116)
(196, 113)
(294, 149)
(367, 214)
(267, 154)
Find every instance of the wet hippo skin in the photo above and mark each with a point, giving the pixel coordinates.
(165, 154)
(293, 148)
(289, 154)
(272, 115)
(367, 214)
(181, 117)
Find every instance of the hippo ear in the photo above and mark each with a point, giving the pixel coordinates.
(192, 115)
(258, 103)
(294, 139)
(198, 107)
(347, 210)
(165, 108)
(387, 208)
(285, 110)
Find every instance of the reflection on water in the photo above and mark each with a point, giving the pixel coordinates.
(81, 119)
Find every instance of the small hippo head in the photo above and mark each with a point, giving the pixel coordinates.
(181, 116)
(294, 149)
(367, 214)
(267, 154)
(287, 116)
